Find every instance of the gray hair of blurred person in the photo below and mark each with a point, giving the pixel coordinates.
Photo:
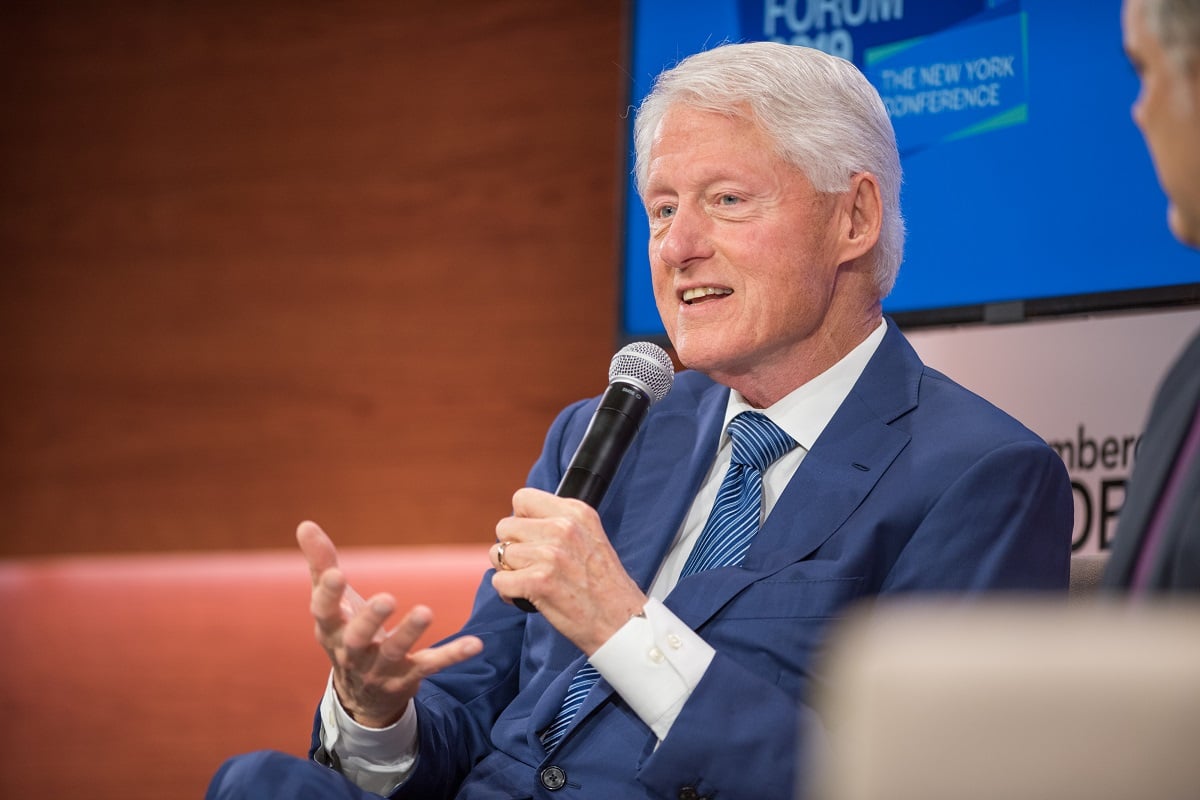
(1176, 25)
(826, 118)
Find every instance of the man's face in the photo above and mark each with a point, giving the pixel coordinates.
(742, 248)
(1167, 111)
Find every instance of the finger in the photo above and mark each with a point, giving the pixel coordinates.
(352, 602)
(529, 585)
(317, 547)
(532, 545)
(529, 502)
(326, 603)
(537, 504)
(539, 541)
(366, 627)
(435, 659)
(501, 554)
(401, 640)
(500, 581)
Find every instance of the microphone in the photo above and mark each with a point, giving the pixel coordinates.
(640, 374)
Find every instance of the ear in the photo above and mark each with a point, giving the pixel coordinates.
(860, 216)
(1192, 76)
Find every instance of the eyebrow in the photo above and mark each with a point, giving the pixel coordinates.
(1131, 59)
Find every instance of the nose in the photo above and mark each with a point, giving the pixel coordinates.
(1137, 108)
(686, 238)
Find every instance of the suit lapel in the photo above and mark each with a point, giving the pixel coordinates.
(836, 475)
(667, 464)
(847, 460)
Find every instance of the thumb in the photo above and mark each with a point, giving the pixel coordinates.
(317, 547)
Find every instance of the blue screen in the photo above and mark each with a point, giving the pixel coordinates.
(1024, 175)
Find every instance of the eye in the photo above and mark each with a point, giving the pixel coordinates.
(1132, 60)
(663, 212)
(729, 200)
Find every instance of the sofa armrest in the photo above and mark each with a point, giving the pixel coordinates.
(136, 676)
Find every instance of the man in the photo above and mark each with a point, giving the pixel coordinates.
(1157, 545)
(771, 178)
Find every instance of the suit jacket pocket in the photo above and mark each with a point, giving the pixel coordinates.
(775, 627)
(801, 598)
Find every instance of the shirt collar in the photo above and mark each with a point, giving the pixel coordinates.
(806, 410)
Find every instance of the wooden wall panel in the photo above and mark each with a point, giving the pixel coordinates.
(268, 261)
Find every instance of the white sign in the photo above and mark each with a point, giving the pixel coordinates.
(1084, 385)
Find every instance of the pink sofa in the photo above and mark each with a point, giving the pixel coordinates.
(136, 676)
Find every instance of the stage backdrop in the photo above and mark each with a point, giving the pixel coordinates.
(1085, 385)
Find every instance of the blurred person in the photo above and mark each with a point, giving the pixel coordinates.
(771, 179)
(1157, 542)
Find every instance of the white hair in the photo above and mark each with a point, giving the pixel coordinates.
(1176, 25)
(826, 119)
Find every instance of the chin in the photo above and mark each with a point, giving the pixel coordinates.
(694, 354)
(1185, 228)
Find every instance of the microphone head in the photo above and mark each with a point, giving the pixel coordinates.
(647, 366)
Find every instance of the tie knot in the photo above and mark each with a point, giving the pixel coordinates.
(757, 442)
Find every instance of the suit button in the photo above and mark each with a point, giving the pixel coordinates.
(553, 778)
(688, 793)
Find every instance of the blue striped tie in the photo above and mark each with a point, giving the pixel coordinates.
(735, 519)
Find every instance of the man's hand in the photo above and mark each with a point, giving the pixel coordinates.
(557, 556)
(375, 671)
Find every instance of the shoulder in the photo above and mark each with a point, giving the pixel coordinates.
(950, 415)
(909, 394)
(945, 421)
(1183, 377)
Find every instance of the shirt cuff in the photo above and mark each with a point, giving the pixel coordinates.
(654, 662)
(375, 759)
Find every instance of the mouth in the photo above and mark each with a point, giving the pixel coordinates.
(701, 294)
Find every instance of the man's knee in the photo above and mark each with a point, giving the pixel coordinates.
(270, 774)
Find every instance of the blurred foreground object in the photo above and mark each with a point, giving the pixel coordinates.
(1017, 700)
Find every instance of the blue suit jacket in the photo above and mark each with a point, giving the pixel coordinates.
(916, 485)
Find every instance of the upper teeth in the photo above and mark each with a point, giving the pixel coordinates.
(691, 294)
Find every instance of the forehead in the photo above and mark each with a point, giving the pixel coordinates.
(1134, 30)
(696, 139)
(691, 125)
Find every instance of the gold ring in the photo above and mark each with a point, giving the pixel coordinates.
(500, 556)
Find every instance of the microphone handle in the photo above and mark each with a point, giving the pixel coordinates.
(608, 436)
